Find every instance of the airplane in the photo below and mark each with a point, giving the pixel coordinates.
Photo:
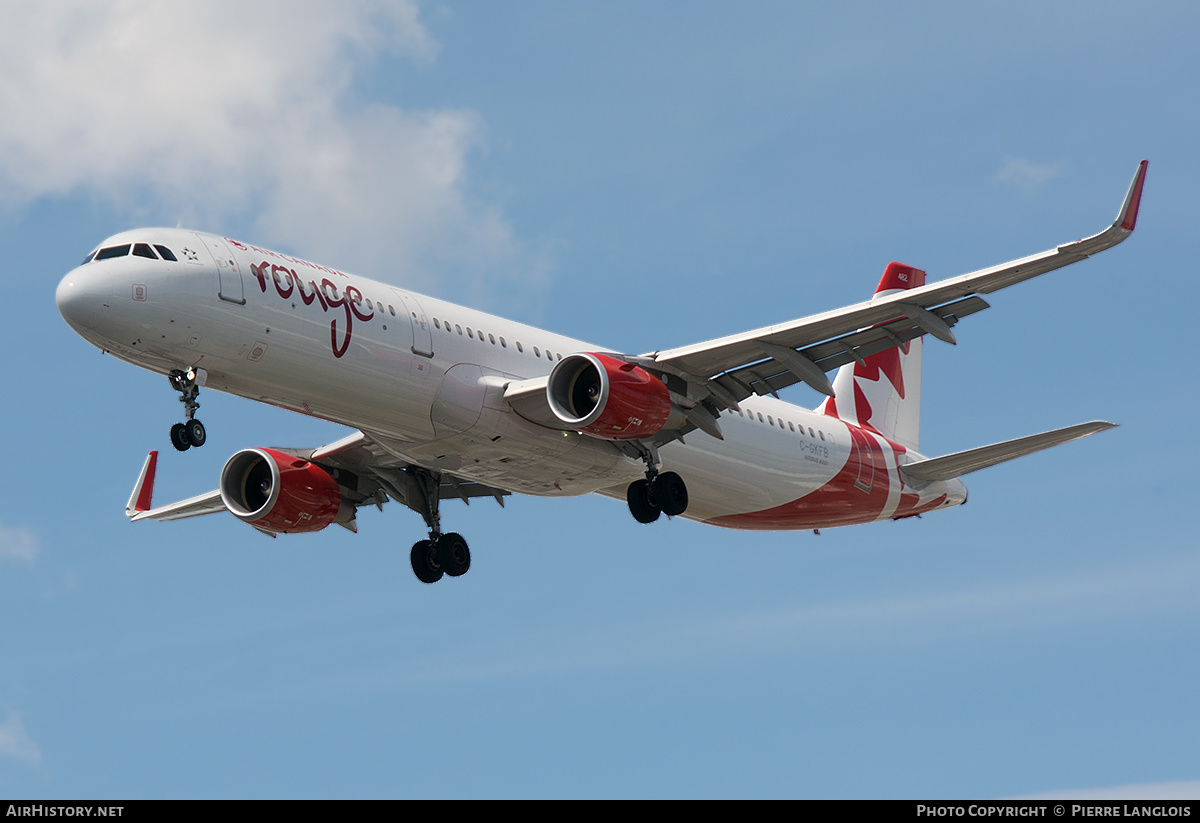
(448, 402)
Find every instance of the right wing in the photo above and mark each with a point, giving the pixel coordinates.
(367, 469)
(140, 506)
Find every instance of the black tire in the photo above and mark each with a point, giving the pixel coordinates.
(425, 564)
(196, 434)
(453, 554)
(670, 494)
(179, 437)
(641, 506)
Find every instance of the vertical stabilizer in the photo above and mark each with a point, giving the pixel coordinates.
(883, 393)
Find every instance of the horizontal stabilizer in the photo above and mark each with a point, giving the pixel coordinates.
(965, 462)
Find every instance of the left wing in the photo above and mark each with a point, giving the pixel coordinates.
(725, 371)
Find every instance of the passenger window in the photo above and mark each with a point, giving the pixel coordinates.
(537, 352)
(503, 345)
(492, 338)
(520, 348)
(391, 310)
(143, 250)
(166, 253)
(112, 251)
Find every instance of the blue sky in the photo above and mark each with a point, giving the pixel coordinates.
(646, 176)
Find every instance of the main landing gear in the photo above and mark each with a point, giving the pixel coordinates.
(664, 493)
(441, 553)
(191, 431)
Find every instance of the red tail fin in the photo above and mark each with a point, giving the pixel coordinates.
(883, 393)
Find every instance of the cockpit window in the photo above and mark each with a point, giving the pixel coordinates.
(88, 259)
(166, 253)
(112, 251)
(144, 250)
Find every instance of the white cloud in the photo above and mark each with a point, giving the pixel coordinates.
(18, 545)
(213, 110)
(14, 742)
(1026, 174)
(1179, 790)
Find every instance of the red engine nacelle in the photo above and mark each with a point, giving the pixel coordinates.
(278, 492)
(606, 397)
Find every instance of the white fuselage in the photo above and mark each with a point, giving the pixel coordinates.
(428, 377)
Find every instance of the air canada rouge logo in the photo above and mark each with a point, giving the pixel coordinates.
(325, 295)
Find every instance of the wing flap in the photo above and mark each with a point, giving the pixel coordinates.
(965, 462)
(771, 375)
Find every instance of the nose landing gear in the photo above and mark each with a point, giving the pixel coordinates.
(191, 431)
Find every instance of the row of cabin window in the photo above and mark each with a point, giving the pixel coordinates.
(478, 334)
(139, 250)
(771, 421)
(331, 291)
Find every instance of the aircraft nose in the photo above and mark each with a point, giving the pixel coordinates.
(83, 300)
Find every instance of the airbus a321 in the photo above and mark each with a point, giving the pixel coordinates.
(448, 402)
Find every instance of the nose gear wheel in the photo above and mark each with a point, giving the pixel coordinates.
(191, 431)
